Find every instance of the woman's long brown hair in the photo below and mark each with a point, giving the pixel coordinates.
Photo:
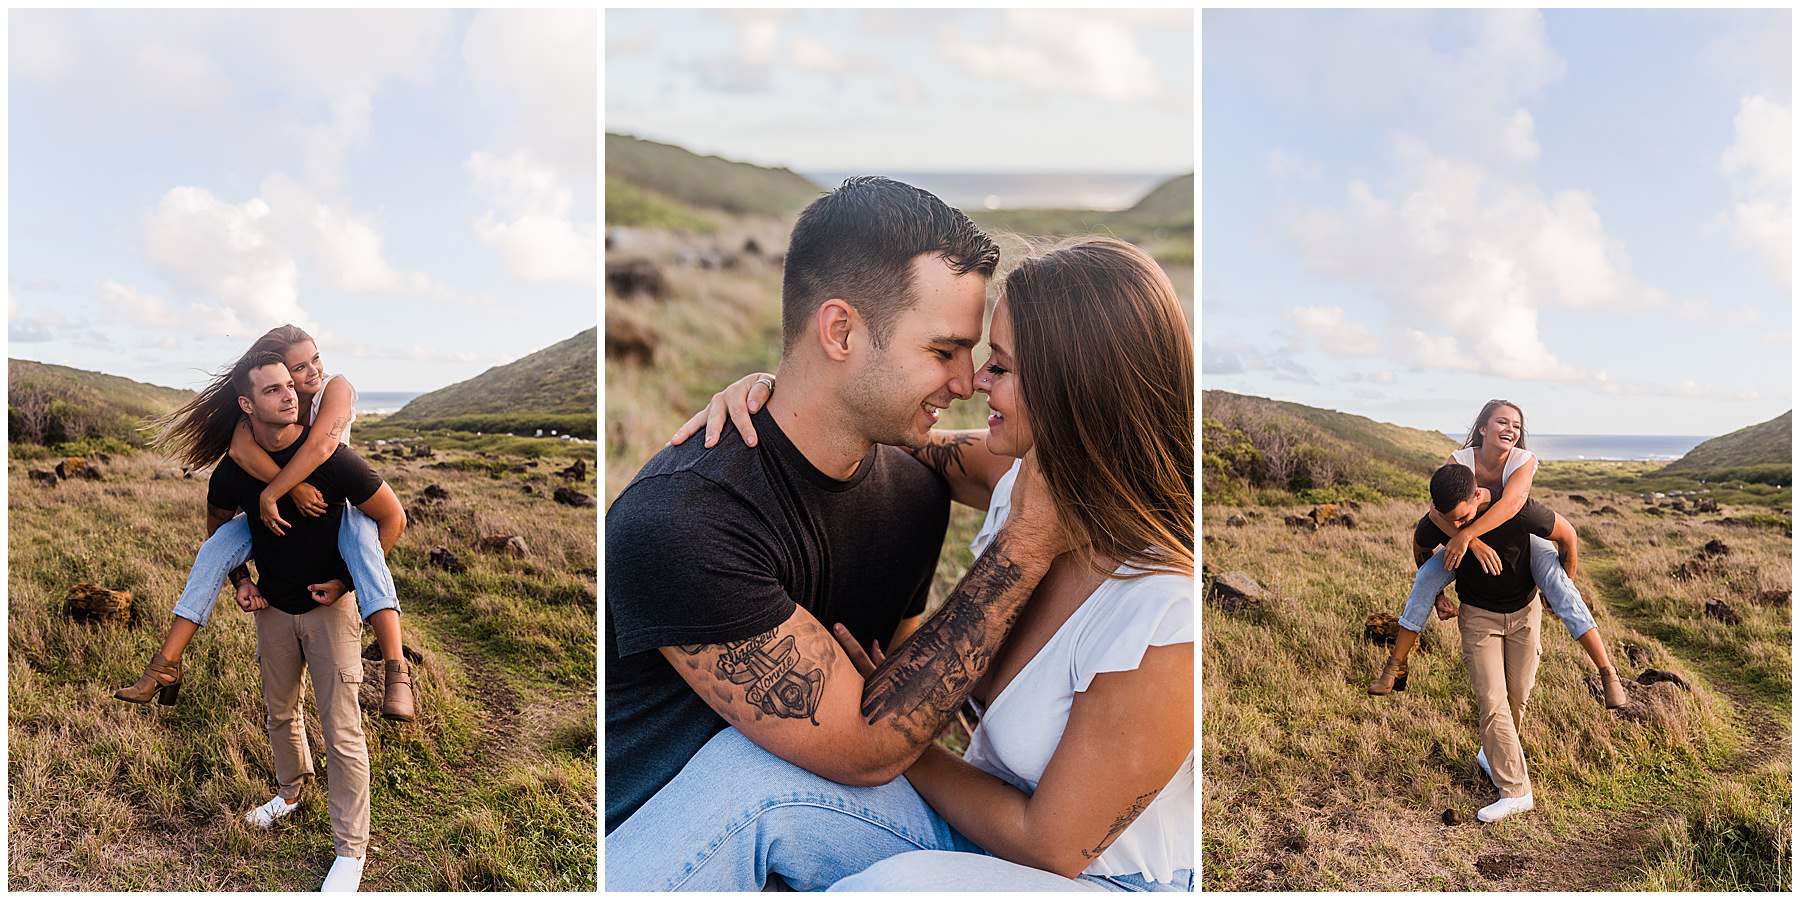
(198, 433)
(1106, 364)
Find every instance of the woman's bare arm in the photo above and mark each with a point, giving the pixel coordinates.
(1128, 734)
(1504, 507)
(249, 455)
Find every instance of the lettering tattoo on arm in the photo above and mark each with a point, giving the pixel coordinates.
(920, 687)
(1121, 823)
(944, 451)
(775, 678)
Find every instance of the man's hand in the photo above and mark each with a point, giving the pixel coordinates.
(1035, 522)
(327, 593)
(308, 499)
(1445, 609)
(249, 598)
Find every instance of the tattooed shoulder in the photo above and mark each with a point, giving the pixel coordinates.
(944, 451)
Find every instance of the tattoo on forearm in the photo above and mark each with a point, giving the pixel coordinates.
(1121, 823)
(945, 451)
(919, 688)
(239, 574)
(776, 679)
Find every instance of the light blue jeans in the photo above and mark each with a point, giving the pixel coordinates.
(1559, 591)
(359, 543)
(737, 814)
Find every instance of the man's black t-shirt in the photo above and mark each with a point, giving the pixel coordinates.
(1509, 591)
(713, 545)
(308, 552)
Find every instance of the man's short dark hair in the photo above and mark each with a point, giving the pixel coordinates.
(858, 242)
(1451, 485)
(240, 373)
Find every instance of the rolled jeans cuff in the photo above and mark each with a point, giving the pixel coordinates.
(1560, 593)
(359, 543)
(1431, 580)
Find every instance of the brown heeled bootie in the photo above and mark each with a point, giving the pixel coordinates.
(397, 704)
(1392, 678)
(161, 682)
(1613, 691)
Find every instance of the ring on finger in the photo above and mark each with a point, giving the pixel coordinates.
(766, 380)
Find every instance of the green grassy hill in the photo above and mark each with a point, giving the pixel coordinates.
(553, 388)
(1757, 453)
(663, 186)
(1255, 450)
(50, 404)
(1162, 222)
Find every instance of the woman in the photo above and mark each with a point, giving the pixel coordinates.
(1495, 451)
(212, 425)
(1080, 775)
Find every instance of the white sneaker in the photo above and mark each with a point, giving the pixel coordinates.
(265, 815)
(1503, 807)
(1481, 760)
(345, 875)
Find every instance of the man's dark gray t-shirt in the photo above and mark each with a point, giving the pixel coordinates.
(1509, 591)
(713, 545)
(308, 552)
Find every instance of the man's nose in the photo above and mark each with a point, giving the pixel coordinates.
(962, 384)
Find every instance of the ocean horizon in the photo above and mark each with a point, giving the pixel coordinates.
(1014, 190)
(384, 402)
(1655, 447)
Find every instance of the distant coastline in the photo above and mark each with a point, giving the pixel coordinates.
(384, 402)
(1013, 190)
(1663, 447)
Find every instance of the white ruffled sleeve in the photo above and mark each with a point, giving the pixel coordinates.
(1153, 611)
(998, 507)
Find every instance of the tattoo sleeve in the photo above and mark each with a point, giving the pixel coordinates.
(944, 451)
(239, 574)
(1121, 823)
(919, 688)
(769, 672)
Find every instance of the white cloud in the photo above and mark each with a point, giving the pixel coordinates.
(543, 65)
(344, 250)
(529, 220)
(1092, 53)
(1283, 165)
(124, 302)
(1331, 329)
(1468, 259)
(1759, 164)
(225, 252)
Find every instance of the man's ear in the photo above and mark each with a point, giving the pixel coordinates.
(838, 323)
(245, 405)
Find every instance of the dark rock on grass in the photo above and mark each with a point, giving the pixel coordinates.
(1699, 567)
(571, 497)
(1772, 598)
(1719, 609)
(1296, 842)
(575, 472)
(80, 467)
(435, 492)
(1500, 866)
(1658, 676)
(1608, 510)
(1234, 591)
(530, 490)
(1657, 704)
(1347, 520)
(634, 277)
(1653, 541)
(44, 477)
(444, 559)
(505, 544)
(1381, 628)
(1715, 547)
(91, 604)
(1452, 817)
(1636, 654)
(1304, 523)
(630, 343)
(1236, 521)
(373, 651)
(1706, 505)
(1577, 498)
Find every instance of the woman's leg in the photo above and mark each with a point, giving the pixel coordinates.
(359, 543)
(737, 814)
(225, 550)
(1430, 581)
(1564, 599)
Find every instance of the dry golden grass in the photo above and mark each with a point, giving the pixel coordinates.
(1308, 783)
(493, 787)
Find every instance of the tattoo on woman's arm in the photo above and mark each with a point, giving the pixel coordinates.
(944, 451)
(775, 678)
(1121, 823)
(919, 688)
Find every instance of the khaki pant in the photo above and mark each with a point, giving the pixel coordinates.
(328, 642)
(1501, 651)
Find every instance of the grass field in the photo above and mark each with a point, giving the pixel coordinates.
(1311, 784)
(493, 787)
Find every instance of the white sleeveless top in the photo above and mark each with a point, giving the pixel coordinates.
(1109, 632)
(319, 399)
(1518, 457)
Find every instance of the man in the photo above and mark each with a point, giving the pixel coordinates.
(726, 565)
(302, 616)
(1499, 622)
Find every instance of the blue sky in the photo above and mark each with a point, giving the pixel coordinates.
(1407, 213)
(910, 90)
(415, 187)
